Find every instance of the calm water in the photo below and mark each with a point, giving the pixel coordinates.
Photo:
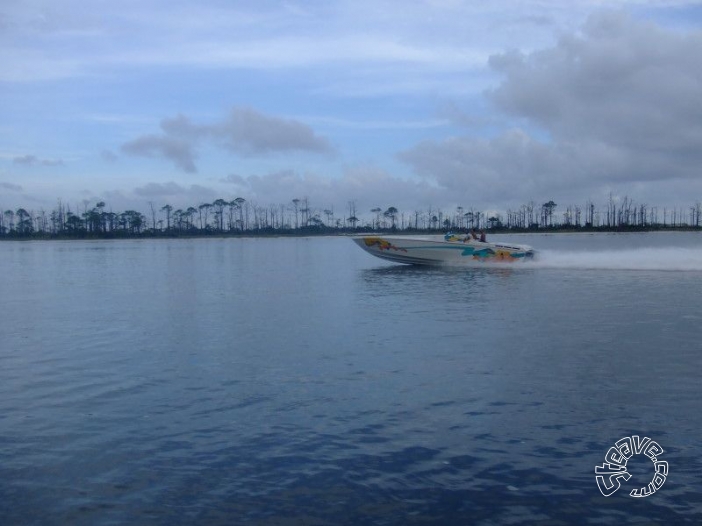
(302, 381)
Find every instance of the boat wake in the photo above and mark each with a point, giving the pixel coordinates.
(664, 259)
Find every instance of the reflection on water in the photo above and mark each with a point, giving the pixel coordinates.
(207, 382)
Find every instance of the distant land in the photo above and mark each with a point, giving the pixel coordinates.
(238, 217)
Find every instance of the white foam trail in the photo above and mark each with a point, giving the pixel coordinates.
(670, 259)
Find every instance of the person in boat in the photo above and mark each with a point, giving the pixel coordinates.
(473, 234)
(483, 239)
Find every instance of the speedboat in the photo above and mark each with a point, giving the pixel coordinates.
(453, 249)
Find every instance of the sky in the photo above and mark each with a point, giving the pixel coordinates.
(429, 104)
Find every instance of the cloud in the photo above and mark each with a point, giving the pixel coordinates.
(179, 151)
(32, 160)
(175, 194)
(368, 185)
(630, 84)
(109, 156)
(478, 170)
(245, 131)
(249, 132)
(27, 160)
(160, 190)
(11, 187)
(617, 104)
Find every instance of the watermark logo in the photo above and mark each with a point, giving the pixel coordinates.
(609, 474)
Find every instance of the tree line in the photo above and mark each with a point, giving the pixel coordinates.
(239, 216)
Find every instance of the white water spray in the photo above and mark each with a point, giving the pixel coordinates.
(663, 259)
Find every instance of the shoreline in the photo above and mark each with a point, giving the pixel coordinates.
(331, 232)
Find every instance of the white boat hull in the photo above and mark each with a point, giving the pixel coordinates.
(415, 251)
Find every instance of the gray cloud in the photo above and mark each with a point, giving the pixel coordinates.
(31, 160)
(616, 105)
(248, 132)
(11, 187)
(176, 194)
(27, 160)
(178, 151)
(245, 132)
(631, 86)
(368, 185)
(474, 170)
(160, 190)
(108, 156)
(52, 162)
